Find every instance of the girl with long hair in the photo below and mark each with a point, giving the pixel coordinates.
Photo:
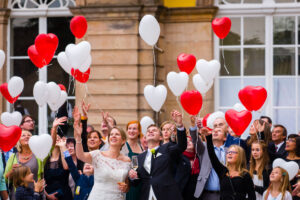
(279, 188)
(259, 169)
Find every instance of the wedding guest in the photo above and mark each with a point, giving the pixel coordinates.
(27, 123)
(276, 147)
(168, 130)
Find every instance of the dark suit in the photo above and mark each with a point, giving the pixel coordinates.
(281, 152)
(161, 177)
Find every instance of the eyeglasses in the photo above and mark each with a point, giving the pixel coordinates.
(29, 121)
(291, 140)
(231, 152)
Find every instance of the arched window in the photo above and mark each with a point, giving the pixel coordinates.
(28, 19)
(261, 49)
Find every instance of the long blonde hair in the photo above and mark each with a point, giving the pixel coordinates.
(18, 145)
(240, 164)
(285, 184)
(264, 163)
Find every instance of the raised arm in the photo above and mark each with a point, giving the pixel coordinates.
(84, 118)
(63, 148)
(56, 123)
(199, 146)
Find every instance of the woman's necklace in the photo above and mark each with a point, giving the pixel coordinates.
(26, 157)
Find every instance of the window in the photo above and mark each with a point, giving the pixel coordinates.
(261, 50)
(24, 26)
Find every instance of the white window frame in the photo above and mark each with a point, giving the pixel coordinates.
(42, 12)
(267, 9)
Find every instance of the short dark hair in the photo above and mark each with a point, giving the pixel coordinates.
(284, 129)
(70, 140)
(24, 117)
(297, 137)
(94, 131)
(266, 117)
(153, 125)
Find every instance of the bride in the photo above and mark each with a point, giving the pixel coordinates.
(110, 167)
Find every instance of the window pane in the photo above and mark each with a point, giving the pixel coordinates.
(59, 76)
(254, 82)
(60, 27)
(286, 117)
(253, 1)
(28, 107)
(232, 62)
(284, 92)
(284, 1)
(23, 33)
(284, 61)
(254, 61)
(234, 36)
(254, 29)
(230, 1)
(229, 88)
(284, 30)
(26, 70)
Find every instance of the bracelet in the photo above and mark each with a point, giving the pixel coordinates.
(78, 142)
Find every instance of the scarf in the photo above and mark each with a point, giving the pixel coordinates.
(191, 156)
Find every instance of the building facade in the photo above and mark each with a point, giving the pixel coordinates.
(261, 49)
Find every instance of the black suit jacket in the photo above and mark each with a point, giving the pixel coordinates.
(281, 153)
(161, 177)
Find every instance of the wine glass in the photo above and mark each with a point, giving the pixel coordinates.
(134, 162)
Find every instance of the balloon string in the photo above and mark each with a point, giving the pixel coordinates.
(156, 118)
(154, 65)
(92, 98)
(224, 59)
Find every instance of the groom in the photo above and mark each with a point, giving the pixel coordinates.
(154, 172)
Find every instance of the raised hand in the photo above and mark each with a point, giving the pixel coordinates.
(59, 121)
(177, 117)
(193, 120)
(205, 131)
(76, 115)
(39, 185)
(107, 119)
(199, 123)
(85, 108)
(61, 144)
(77, 130)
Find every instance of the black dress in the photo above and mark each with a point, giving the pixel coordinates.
(230, 188)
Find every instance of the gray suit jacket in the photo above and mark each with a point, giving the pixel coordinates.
(205, 164)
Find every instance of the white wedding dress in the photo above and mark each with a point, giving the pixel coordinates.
(107, 173)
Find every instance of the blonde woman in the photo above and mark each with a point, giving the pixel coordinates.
(235, 181)
(279, 188)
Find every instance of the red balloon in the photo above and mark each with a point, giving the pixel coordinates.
(253, 98)
(191, 101)
(204, 121)
(36, 58)
(78, 26)
(5, 93)
(221, 26)
(62, 87)
(46, 45)
(79, 76)
(238, 121)
(9, 136)
(186, 62)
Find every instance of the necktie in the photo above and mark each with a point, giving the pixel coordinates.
(276, 148)
(147, 164)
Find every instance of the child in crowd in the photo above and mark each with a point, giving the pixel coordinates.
(22, 176)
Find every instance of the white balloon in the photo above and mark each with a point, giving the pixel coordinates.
(291, 167)
(238, 107)
(15, 86)
(149, 29)
(55, 106)
(201, 85)
(40, 145)
(145, 122)
(86, 65)
(155, 96)
(2, 58)
(208, 70)
(78, 54)
(177, 82)
(53, 92)
(10, 119)
(40, 93)
(64, 62)
(212, 117)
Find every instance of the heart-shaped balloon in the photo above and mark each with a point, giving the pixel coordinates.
(291, 167)
(15, 86)
(2, 58)
(79, 76)
(253, 98)
(204, 121)
(10, 119)
(62, 87)
(212, 117)
(186, 62)
(155, 96)
(86, 65)
(40, 145)
(177, 82)
(191, 102)
(46, 45)
(201, 85)
(78, 54)
(221, 26)
(78, 26)
(9, 136)
(54, 92)
(62, 99)
(5, 93)
(145, 122)
(149, 29)
(40, 93)
(238, 107)
(208, 69)
(64, 62)
(238, 121)
(36, 58)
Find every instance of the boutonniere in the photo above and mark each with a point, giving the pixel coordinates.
(153, 152)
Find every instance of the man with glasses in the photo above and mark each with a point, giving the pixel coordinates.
(27, 123)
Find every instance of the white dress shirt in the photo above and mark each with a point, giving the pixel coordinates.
(147, 166)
